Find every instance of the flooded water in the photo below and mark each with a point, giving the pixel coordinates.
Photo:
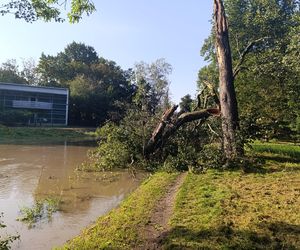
(31, 172)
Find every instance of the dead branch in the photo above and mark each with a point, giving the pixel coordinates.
(170, 121)
(214, 132)
(198, 105)
(213, 92)
(248, 48)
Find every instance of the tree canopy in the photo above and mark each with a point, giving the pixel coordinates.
(263, 41)
(95, 84)
(47, 10)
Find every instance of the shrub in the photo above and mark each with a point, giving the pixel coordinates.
(112, 152)
(11, 117)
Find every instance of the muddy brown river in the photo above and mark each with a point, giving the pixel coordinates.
(32, 172)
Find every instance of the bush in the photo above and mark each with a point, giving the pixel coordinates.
(211, 156)
(11, 117)
(112, 152)
(123, 144)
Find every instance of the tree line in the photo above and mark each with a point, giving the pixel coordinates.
(99, 88)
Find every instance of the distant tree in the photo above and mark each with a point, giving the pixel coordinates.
(9, 73)
(53, 71)
(153, 84)
(76, 59)
(29, 71)
(96, 84)
(79, 52)
(32, 10)
(186, 103)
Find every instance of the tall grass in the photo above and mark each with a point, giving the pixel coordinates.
(286, 149)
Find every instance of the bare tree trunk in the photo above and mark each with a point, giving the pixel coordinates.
(228, 102)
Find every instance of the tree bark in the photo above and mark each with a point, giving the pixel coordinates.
(228, 102)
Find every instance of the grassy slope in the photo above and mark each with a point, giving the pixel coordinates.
(234, 210)
(45, 134)
(214, 210)
(120, 228)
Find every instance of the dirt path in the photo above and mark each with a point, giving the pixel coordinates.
(157, 228)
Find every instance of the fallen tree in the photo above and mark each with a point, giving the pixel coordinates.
(171, 122)
(225, 100)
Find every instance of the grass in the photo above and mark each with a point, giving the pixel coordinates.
(286, 149)
(198, 207)
(120, 228)
(43, 134)
(232, 210)
(237, 210)
(217, 209)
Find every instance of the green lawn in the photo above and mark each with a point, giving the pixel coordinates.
(237, 210)
(282, 149)
(43, 134)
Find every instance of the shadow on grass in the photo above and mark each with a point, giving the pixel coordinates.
(291, 151)
(279, 235)
(280, 158)
(265, 164)
(278, 164)
(270, 170)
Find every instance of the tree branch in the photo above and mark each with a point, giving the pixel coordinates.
(237, 68)
(161, 126)
(167, 127)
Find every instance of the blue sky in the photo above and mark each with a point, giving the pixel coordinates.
(126, 32)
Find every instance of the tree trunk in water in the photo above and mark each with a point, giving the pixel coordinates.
(228, 102)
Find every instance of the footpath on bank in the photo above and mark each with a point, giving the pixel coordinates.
(232, 209)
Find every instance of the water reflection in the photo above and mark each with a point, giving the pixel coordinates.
(30, 172)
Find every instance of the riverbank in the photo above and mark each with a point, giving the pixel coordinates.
(44, 134)
(256, 209)
(121, 228)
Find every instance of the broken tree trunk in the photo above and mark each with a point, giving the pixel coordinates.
(228, 102)
(170, 124)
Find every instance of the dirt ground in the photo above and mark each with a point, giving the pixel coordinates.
(157, 227)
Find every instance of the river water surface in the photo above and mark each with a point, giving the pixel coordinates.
(33, 172)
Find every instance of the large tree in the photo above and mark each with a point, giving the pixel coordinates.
(264, 47)
(96, 84)
(228, 102)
